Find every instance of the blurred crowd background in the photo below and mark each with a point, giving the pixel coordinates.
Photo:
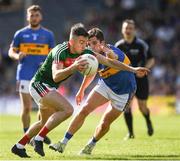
(158, 23)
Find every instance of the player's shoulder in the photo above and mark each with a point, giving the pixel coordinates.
(115, 49)
(119, 43)
(141, 42)
(21, 31)
(60, 48)
(46, 30)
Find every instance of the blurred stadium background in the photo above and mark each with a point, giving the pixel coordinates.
(158, 22)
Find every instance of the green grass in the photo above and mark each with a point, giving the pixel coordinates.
(164, 145)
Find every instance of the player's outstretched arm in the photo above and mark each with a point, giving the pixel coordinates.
(119, 65)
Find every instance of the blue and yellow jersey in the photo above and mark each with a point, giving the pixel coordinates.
(120, 82)
(36, 44)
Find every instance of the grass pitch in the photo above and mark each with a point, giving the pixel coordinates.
(163, 145)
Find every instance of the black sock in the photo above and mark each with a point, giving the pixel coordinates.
(147, 116)
(129, 120)
(25, 129)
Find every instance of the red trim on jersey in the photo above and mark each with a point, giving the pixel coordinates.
(69, 61)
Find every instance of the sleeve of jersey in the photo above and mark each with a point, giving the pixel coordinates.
(16, 41)
(149, 54)
(59, 57)
(51, 40)
(121, 56)
(144, 55)
(117, 44)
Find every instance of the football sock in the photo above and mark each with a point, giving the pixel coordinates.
(19, 146)
(147, 116)
(25, 129)
(43, 132)
(92, 141)
(129, 120)
(66, 138)
(23, 141)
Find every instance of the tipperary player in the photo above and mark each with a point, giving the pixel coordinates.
(30, 47)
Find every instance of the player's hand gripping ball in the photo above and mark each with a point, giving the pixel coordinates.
(92, 65)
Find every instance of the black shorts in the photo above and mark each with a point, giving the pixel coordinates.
(142, 91)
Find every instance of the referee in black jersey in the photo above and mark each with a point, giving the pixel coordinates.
(139, 54)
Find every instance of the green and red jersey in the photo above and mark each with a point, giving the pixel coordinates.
(59, 54)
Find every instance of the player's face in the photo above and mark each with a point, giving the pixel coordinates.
(34, 18)
(128, 30)
(79, 44)
(94, 44)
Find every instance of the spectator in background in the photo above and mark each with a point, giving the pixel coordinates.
(139, 54)
(30, 47)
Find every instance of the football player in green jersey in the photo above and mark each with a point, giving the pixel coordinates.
(54, 108)
(61, 63)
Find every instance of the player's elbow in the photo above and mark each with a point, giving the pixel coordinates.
(55, 79)
(10, 53)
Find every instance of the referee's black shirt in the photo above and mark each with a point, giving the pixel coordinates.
(138, 51)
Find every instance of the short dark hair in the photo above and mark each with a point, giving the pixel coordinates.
(96, 32)
(129, 21)
(34, 8)
(78, 30)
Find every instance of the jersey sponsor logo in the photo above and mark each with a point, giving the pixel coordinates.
(26, 36)
(134, 51)
(34, 36)
(69, 61)
(34, 49)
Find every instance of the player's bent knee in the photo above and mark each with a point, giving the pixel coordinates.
(143, 108)
(69, 111)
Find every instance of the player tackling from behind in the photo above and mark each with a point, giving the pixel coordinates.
(61, 63)
(116, 86)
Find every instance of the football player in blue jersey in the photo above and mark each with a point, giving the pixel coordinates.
(116, 86)
(30, 47)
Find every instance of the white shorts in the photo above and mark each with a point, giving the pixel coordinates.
(38, 90)
(119, 102)
(23, 86)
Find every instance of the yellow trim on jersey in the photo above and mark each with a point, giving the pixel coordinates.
(34, 49)
(126, 60)
(107, 72)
